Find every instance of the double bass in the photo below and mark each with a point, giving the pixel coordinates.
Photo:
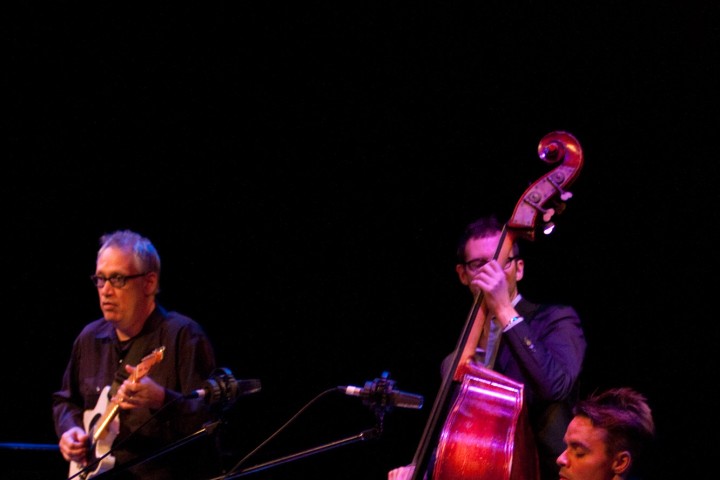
(478, 427)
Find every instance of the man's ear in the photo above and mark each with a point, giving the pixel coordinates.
(621, 462)
(151, 284)
(462, 274)
(519, 269)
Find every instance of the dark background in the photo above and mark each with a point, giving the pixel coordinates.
(305, 171)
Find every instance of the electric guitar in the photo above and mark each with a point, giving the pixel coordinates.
(103, 425)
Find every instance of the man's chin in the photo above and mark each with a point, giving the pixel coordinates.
(111, 317)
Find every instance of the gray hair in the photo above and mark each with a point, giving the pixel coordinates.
(144, 252)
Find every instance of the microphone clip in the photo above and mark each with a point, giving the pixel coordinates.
(221, 388)
(379, 395)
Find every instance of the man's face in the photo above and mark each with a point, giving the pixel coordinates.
(586, 456)
(122, 305)
(483, 249)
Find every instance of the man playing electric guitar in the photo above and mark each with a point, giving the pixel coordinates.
(151, 409)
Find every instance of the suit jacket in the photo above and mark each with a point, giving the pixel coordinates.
(545, 352)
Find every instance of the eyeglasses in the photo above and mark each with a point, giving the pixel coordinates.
(475, 265)
(117, 280)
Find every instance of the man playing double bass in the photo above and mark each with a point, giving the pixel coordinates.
(540, 346)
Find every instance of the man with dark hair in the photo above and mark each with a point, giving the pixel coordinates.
(541, 346)
(607, 436)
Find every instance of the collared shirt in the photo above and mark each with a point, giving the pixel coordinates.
(487, 357)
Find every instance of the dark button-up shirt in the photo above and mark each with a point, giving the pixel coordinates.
(96, 361)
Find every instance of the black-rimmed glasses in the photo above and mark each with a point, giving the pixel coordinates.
(475, 265)
(117, 280)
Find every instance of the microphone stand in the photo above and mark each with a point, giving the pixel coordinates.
(210, 427)
(368, 434)
(376, 398)
(207, 429)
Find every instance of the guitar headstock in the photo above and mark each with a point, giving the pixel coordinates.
(148, 361)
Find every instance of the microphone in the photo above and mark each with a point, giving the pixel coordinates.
(381, 392)
(222, 387)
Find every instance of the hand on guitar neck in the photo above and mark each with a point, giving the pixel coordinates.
(143, 392)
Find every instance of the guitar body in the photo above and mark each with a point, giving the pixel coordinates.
(103, 444)
(103, 424)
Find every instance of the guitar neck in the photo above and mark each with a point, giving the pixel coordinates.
(108, 416)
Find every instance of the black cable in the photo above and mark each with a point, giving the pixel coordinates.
(265, 442)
